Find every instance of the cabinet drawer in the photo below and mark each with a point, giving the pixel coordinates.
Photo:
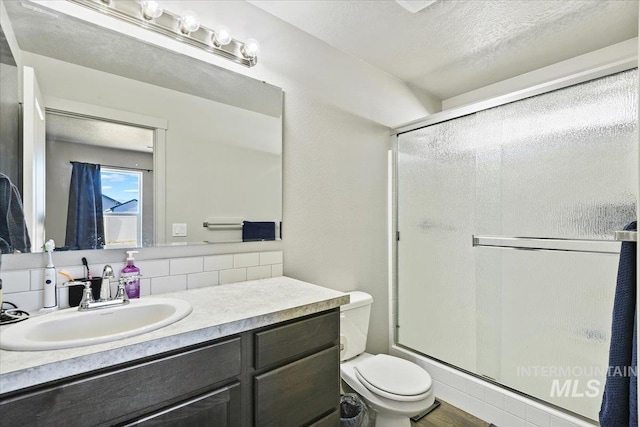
(296, 394)
(218, 408)
(134, 390)
(295, 339)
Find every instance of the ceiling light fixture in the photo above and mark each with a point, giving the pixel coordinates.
(184, 27)
(222, 36)
(189, 22)
(151, 9)
(251, 48)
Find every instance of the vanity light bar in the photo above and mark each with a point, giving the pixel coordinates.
(171, 25)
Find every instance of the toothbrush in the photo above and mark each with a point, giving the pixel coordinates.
(50, 297)
(86, 265)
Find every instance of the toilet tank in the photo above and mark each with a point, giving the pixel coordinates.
(354, 325)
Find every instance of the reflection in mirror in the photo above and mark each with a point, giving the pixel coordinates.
(124, 154)
(14, 235)
(217, 135)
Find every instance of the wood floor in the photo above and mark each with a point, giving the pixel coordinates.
(447, 415)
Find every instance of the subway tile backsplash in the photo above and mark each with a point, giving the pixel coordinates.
(246, 260)
(185, 265)
(218, 262)
(259, 272)
(151, 269)
(16, 281)
(277, 270)
(270, 258)
(233, 275)
(161, 285)
(24, 287)
(201, 280)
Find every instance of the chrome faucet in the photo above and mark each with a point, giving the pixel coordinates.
(105, 287)
(88, 303)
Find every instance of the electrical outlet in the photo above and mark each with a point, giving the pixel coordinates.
(179, 230)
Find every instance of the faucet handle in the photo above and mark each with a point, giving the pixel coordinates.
(121, 293)
(87, 296)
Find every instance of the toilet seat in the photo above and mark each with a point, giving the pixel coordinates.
(394, 378)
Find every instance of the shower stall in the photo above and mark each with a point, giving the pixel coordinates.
(506, 259)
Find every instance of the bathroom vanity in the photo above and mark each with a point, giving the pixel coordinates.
(263, 353)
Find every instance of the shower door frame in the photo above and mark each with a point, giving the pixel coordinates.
(455, 113)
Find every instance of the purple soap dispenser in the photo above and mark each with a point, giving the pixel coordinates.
(131, 276)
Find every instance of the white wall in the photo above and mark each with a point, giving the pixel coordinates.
(335, 214)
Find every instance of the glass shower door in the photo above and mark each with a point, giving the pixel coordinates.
(558, 167)
(436, 217)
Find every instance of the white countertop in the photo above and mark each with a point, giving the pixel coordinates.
(218, 311)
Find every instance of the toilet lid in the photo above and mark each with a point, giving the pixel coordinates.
(395, 376)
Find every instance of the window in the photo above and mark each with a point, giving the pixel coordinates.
(122, 207)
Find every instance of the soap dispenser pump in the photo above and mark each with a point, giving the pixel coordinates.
(131, 276)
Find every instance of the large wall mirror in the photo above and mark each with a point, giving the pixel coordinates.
(180, 143)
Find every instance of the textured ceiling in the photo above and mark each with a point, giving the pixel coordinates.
(453, 47)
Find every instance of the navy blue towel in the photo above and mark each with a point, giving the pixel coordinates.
(257, 231)
(619, 401)
(633, 380)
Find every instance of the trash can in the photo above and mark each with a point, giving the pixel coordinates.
(353, 411)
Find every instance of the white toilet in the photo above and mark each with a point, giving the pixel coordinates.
(394, 388)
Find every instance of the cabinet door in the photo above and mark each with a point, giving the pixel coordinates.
(217, 408)
(300, 392)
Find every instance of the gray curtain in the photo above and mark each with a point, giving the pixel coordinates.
(14, 236)
(85, 222)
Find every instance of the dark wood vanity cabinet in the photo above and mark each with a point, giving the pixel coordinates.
(282, 375)
(123, 394)
(297, 378)
(216, 408)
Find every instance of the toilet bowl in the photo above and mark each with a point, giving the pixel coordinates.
(396, 389)
(393, 395)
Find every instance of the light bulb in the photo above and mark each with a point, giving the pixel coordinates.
(251, 48)
(189, 22)
(222, 36)
(150, 9)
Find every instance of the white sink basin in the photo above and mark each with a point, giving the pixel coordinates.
(71, 328)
